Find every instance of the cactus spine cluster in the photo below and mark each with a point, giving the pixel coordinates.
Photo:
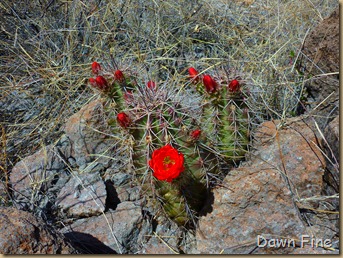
(174, 147)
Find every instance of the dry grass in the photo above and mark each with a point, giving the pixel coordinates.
(47, 46)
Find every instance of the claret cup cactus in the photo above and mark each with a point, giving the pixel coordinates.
(178, 142)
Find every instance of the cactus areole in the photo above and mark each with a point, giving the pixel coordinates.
(167, 163)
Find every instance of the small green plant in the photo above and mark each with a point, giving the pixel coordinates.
(176, 147)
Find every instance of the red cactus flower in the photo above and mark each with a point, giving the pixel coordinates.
(210, 83)
(101, 82)
(167, 163)
(96, 67)
(193, 74)
(234, 86)
(123, 119)
(151, 84)
(119, 76)
(196, 134)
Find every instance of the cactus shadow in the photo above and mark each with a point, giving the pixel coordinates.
(87, 244)
(112, 199)
(207, 207)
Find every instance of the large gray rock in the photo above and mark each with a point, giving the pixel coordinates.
(87, 130)
(114, 232)
(22, 233)
(86, 147)
(36, 174)
(164, 239)
(84, 195)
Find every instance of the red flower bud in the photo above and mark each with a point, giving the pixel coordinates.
(234, 86)
(119, 76)
(151, 84)
(123, 119)
(96, 67)
(101, 82)
(210, 84)
(196, 134)
(193, 74)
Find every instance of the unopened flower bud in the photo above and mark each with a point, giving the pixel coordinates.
(234, 86)
(193, 74)
(101, 82)
(96, 67)
(210, 83)
(151, 84)
(119, 76)
(196, 134)
(123, 119)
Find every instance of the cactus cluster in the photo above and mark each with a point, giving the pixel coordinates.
(175, 148)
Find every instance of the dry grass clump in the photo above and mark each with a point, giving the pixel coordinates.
(46, 48)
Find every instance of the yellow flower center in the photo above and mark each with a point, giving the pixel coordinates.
(168, 163)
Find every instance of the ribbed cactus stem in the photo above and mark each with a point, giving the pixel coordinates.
(173, 202)
(233, 129)
(116, 93)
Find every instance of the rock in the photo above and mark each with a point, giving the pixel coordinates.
(36, 174)
(22, 233)
(86, 130)
(252, 202)
(117, 231)
(84, 195)
(331, 134)
(164, 238)
(37, 180)
(293, 150)
(269, 195)
(331, 147)
(311, 250)
(320, 63)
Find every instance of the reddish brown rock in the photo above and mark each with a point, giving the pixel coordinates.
(157, 245)
(320, 63)
(22, 233)
(268, 195)
(331, 147)
(294, 151)
(331, 134)
(252, 202)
